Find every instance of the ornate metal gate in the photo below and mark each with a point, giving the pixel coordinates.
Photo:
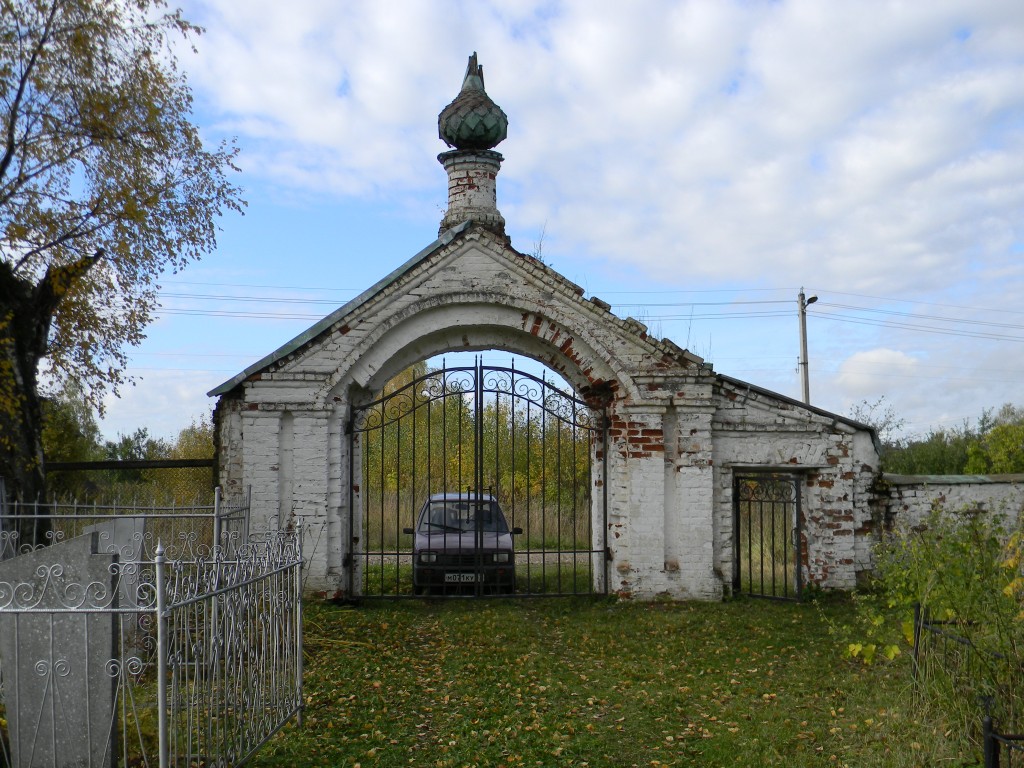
(476, 481)
(767, 514)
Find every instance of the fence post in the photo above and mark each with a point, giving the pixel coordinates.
(216, 516)
(916, 658)
(297, 571)
(161, 659)
(989, 745)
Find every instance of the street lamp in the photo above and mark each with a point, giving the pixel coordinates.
(804, 302)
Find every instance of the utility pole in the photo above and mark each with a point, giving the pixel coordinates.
(803, 302)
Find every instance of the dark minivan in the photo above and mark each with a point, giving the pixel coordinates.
(462, 543)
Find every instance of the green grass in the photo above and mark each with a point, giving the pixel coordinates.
(544, 578)
(601, 683)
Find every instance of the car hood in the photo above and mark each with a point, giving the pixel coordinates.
(454, 542)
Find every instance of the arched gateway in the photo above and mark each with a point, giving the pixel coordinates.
(686, 501)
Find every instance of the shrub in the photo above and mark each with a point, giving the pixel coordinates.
(964, 569)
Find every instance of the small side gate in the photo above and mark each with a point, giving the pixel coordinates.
(476, 481)
(766, 511)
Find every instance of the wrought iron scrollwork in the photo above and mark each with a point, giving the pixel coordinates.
(767, 488)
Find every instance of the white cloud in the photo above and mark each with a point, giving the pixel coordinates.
(801, 133)
(858, 374)
(871, 147)
(164, 402)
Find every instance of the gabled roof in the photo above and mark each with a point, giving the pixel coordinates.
(323, 325)
(800, 404)
(554, 278)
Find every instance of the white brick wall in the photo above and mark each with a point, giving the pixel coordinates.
(911, 498)
(837, 465)
(676, 427)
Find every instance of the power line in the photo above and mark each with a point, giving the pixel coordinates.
(916, 315)
(921, 328)
(701, 303)
(925, 303)
(835, 316)
(269, 287)
(229, 313)
(258, 299)
(620, 307)
(733, 291)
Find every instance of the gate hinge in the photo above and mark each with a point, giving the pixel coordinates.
(346, 561)
(608, 554)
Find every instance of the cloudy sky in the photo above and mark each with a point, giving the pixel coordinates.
(692, 163)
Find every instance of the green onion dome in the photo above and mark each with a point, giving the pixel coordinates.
(472, 120)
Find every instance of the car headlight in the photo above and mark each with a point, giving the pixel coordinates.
(502, 557)
(428, 557)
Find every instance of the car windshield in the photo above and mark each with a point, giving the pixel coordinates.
(459, 516)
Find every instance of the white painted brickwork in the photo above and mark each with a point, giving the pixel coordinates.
(836, 462)
(911, 498)
(677, 430)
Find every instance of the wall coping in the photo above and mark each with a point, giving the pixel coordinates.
(952, 479)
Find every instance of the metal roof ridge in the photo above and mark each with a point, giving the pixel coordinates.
(793, 401)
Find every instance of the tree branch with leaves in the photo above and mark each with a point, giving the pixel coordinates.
(105, 184)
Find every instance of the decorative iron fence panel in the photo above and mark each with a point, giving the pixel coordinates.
(766, 516)
(232, 640)
(113, 652)
(479, 436)
(132, 530)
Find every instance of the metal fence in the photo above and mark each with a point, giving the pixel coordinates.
(535, 450)
(178, 643)
(131, 530)
(940, 647)
(1001, 750)
(181, 481)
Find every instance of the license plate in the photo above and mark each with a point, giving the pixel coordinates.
(460, 578)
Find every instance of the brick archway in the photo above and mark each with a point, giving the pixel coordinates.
(471, 291)
(678, 431)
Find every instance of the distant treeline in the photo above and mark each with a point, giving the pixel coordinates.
(992, 445)
(72, 434)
